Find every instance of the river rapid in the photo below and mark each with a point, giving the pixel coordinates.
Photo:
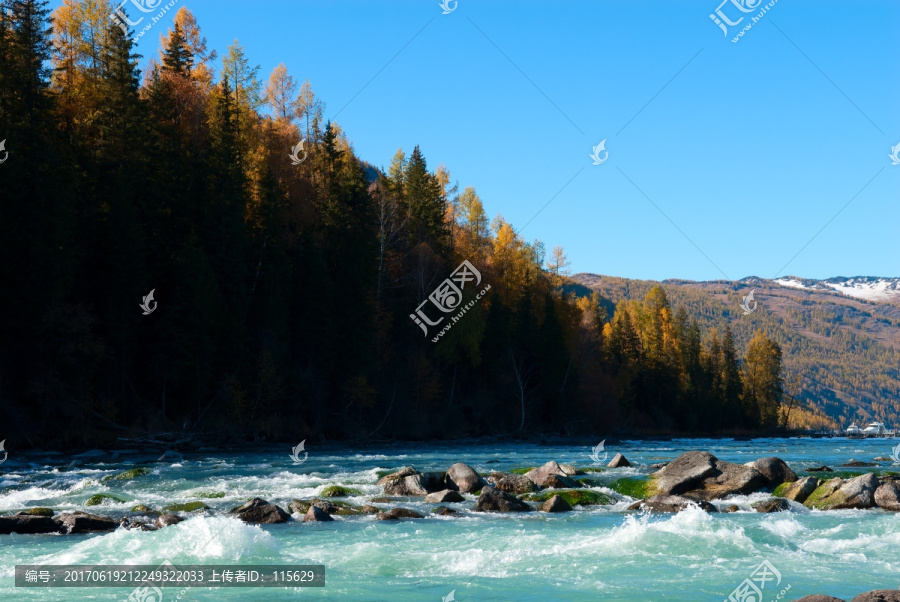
(593, 553)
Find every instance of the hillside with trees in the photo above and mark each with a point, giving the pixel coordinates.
(286, 291)
(841, 354)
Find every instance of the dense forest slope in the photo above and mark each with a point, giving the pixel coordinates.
(841, 351)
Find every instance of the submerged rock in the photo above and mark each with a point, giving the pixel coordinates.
(774, 470)
(259, 511)
(338, 491)
(819, 469)
(773, 505)
(367, 509)
(82, 522)
(556, 504)
(618, 461)
(494, 500)
(443, 497)
(879, 595)
(837, 494)
(443, 511)
(887, 496)
(799, 490)
(512, 483)
(574, 497)
(27, 524)
(398, 513)
(671, 504)
(463, 478)
(164, 520)
(856, 463)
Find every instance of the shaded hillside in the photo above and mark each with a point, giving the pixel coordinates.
(841, 354)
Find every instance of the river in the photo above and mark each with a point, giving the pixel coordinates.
(599, 553)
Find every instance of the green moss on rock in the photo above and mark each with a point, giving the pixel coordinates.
(635, 487)
(37, 512)
(338, 491)
(100, 499)
(186, 507)
(779, 491)
(522, 470)
(574, 497)
(127, 475)
(592, 469)
(140, 508)
(211, 495)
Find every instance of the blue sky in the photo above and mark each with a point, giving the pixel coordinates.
(749, 148)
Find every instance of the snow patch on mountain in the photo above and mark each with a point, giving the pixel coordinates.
(869, 288)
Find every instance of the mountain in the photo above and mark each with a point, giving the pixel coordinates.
(840, 337)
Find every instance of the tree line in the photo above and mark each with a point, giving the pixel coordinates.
(287, 290)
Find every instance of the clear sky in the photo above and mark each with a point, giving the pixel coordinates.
(749, 148)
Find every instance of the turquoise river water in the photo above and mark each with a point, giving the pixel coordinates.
(595, 553)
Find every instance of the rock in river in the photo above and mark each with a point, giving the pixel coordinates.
(260, 511)
(494, 500)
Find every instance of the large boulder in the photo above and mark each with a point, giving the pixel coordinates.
(259, 511)
(570, 470)
(164, 520)
(27, 524)
(879, 595)
(443, 497)
(556, 504)
(406, 482)
(316, 515)
(540, 474)
(799, 490)
(702, 475)
(618, 461)
(887, 496)
(774, 470)
(82, 522)
(671, 503)
(494, 500)
(684, 473)
(512, 483)
(837, 494)
(463, 478)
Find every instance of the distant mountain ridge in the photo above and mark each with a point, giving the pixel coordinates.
(840, 336)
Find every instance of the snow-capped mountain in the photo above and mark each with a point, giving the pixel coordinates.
(870, 288)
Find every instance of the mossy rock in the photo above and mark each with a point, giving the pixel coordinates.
(635, 487)
(382, 500)
(37, 512)
(779, 491)
(211, 495)
(574, 497)
(522, 470)
(338, 491)
(592, 469)
(586, 481)
(140, 508)
(345, 509)
(127, 475)
(383, 473)
(100, 499)
(186, 507)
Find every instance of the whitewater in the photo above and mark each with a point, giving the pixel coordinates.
(593, 553)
